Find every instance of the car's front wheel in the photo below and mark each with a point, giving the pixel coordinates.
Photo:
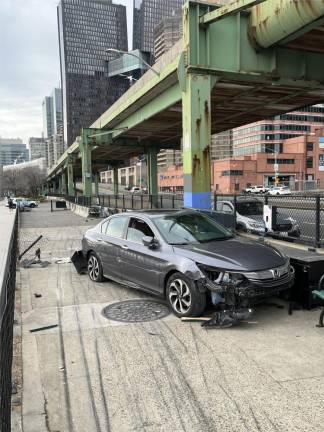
(184, 297)
(32, 205)
(95, 268)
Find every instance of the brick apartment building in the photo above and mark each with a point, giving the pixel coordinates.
(301, 160)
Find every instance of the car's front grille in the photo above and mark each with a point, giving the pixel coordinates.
(272, 282)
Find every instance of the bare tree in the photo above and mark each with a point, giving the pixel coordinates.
(23, 181)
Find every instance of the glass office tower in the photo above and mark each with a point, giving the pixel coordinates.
(86, 29)
(147, 15)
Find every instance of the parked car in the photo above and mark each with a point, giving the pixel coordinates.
(279, 190)
(249, 217)
(136, 190)
(256, 190)
(29, 203)
(184, 256)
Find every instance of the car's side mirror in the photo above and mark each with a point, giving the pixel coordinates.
(150, 242)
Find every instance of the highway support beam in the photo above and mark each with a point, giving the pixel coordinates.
(85, 149)
(115, 179)
(152, 170)
(64, 183)
(196, 121)
(96, 182)
(70, 178)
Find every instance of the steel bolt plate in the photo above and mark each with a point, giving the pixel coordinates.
(137, 310)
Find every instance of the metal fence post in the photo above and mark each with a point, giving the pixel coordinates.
(318, 222)
(215, 200)
(235, 203)
(132, 201)
(173, 201)
(142, 197)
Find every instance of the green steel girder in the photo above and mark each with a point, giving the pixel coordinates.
(169, 97)
(221, 12)
(85, 148)
(225, 47)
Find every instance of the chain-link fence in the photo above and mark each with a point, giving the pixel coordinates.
(7, 306)
(302, 214)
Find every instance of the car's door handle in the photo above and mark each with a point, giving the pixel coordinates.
(124, 247)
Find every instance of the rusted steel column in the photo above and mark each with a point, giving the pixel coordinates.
(196, 112)
(276, 21)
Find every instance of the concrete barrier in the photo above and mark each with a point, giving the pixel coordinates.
(75, 208)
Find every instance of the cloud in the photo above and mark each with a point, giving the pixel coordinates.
(29, 63)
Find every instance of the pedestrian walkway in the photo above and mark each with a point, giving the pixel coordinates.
(86, 373)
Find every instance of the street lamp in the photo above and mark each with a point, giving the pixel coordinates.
(117, 51)
(275, 166)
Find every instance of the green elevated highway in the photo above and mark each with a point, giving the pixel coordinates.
(236, 64)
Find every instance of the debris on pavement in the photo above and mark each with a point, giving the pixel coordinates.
(79, 261)
(43, 328)
(228, 318)
(36, 295)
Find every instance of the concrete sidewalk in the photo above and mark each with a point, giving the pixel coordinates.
(91, 374)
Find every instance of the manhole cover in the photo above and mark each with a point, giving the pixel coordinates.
(136, 311)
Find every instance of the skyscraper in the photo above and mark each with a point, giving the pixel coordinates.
(12, 150)
(52, 113)
(37, 148)
(86, 29)
(147, 14)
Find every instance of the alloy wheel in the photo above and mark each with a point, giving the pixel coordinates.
(180, 296)
(93, 268)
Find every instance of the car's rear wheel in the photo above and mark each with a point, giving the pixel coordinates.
(184, 297)
(95, 268)
(32, 205)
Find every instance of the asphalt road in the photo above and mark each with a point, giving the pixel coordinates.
(93, 374)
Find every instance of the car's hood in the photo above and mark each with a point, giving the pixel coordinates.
(234, 254)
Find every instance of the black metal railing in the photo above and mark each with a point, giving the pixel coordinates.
(7, 306)
(306, 210)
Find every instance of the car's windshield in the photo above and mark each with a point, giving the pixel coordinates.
(250, 208)
(190, 228)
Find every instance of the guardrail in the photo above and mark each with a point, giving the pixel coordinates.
(7, 305)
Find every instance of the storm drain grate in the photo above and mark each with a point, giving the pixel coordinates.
(132, 311)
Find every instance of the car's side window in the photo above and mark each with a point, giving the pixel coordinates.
(116, 227)
(227, 208)
(137, 229)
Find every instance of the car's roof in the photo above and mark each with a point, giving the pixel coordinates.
(154, 213)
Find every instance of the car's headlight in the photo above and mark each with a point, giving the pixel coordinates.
(221, 277)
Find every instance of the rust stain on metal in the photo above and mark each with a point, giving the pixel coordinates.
(206, 110)
(206, 153)
(196, 163)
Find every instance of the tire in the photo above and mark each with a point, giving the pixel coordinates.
(95, 268)
(32, 206)
(184, 297)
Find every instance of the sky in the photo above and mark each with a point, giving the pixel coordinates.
(29, 63)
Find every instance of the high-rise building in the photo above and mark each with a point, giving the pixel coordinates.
(55, 147)
(52, 113)
(87, 28)
(166, 34)
(37, 148)
(12, 150)
(267, 136)
(48, 119)
(222, 145)
(147, 14)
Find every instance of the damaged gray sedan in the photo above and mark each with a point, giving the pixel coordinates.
(186, 257)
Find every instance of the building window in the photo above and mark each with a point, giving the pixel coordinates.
(310, 146)
(309, 162)
(217, 187)
(237, 187)
(232, 173)
(281, 161)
